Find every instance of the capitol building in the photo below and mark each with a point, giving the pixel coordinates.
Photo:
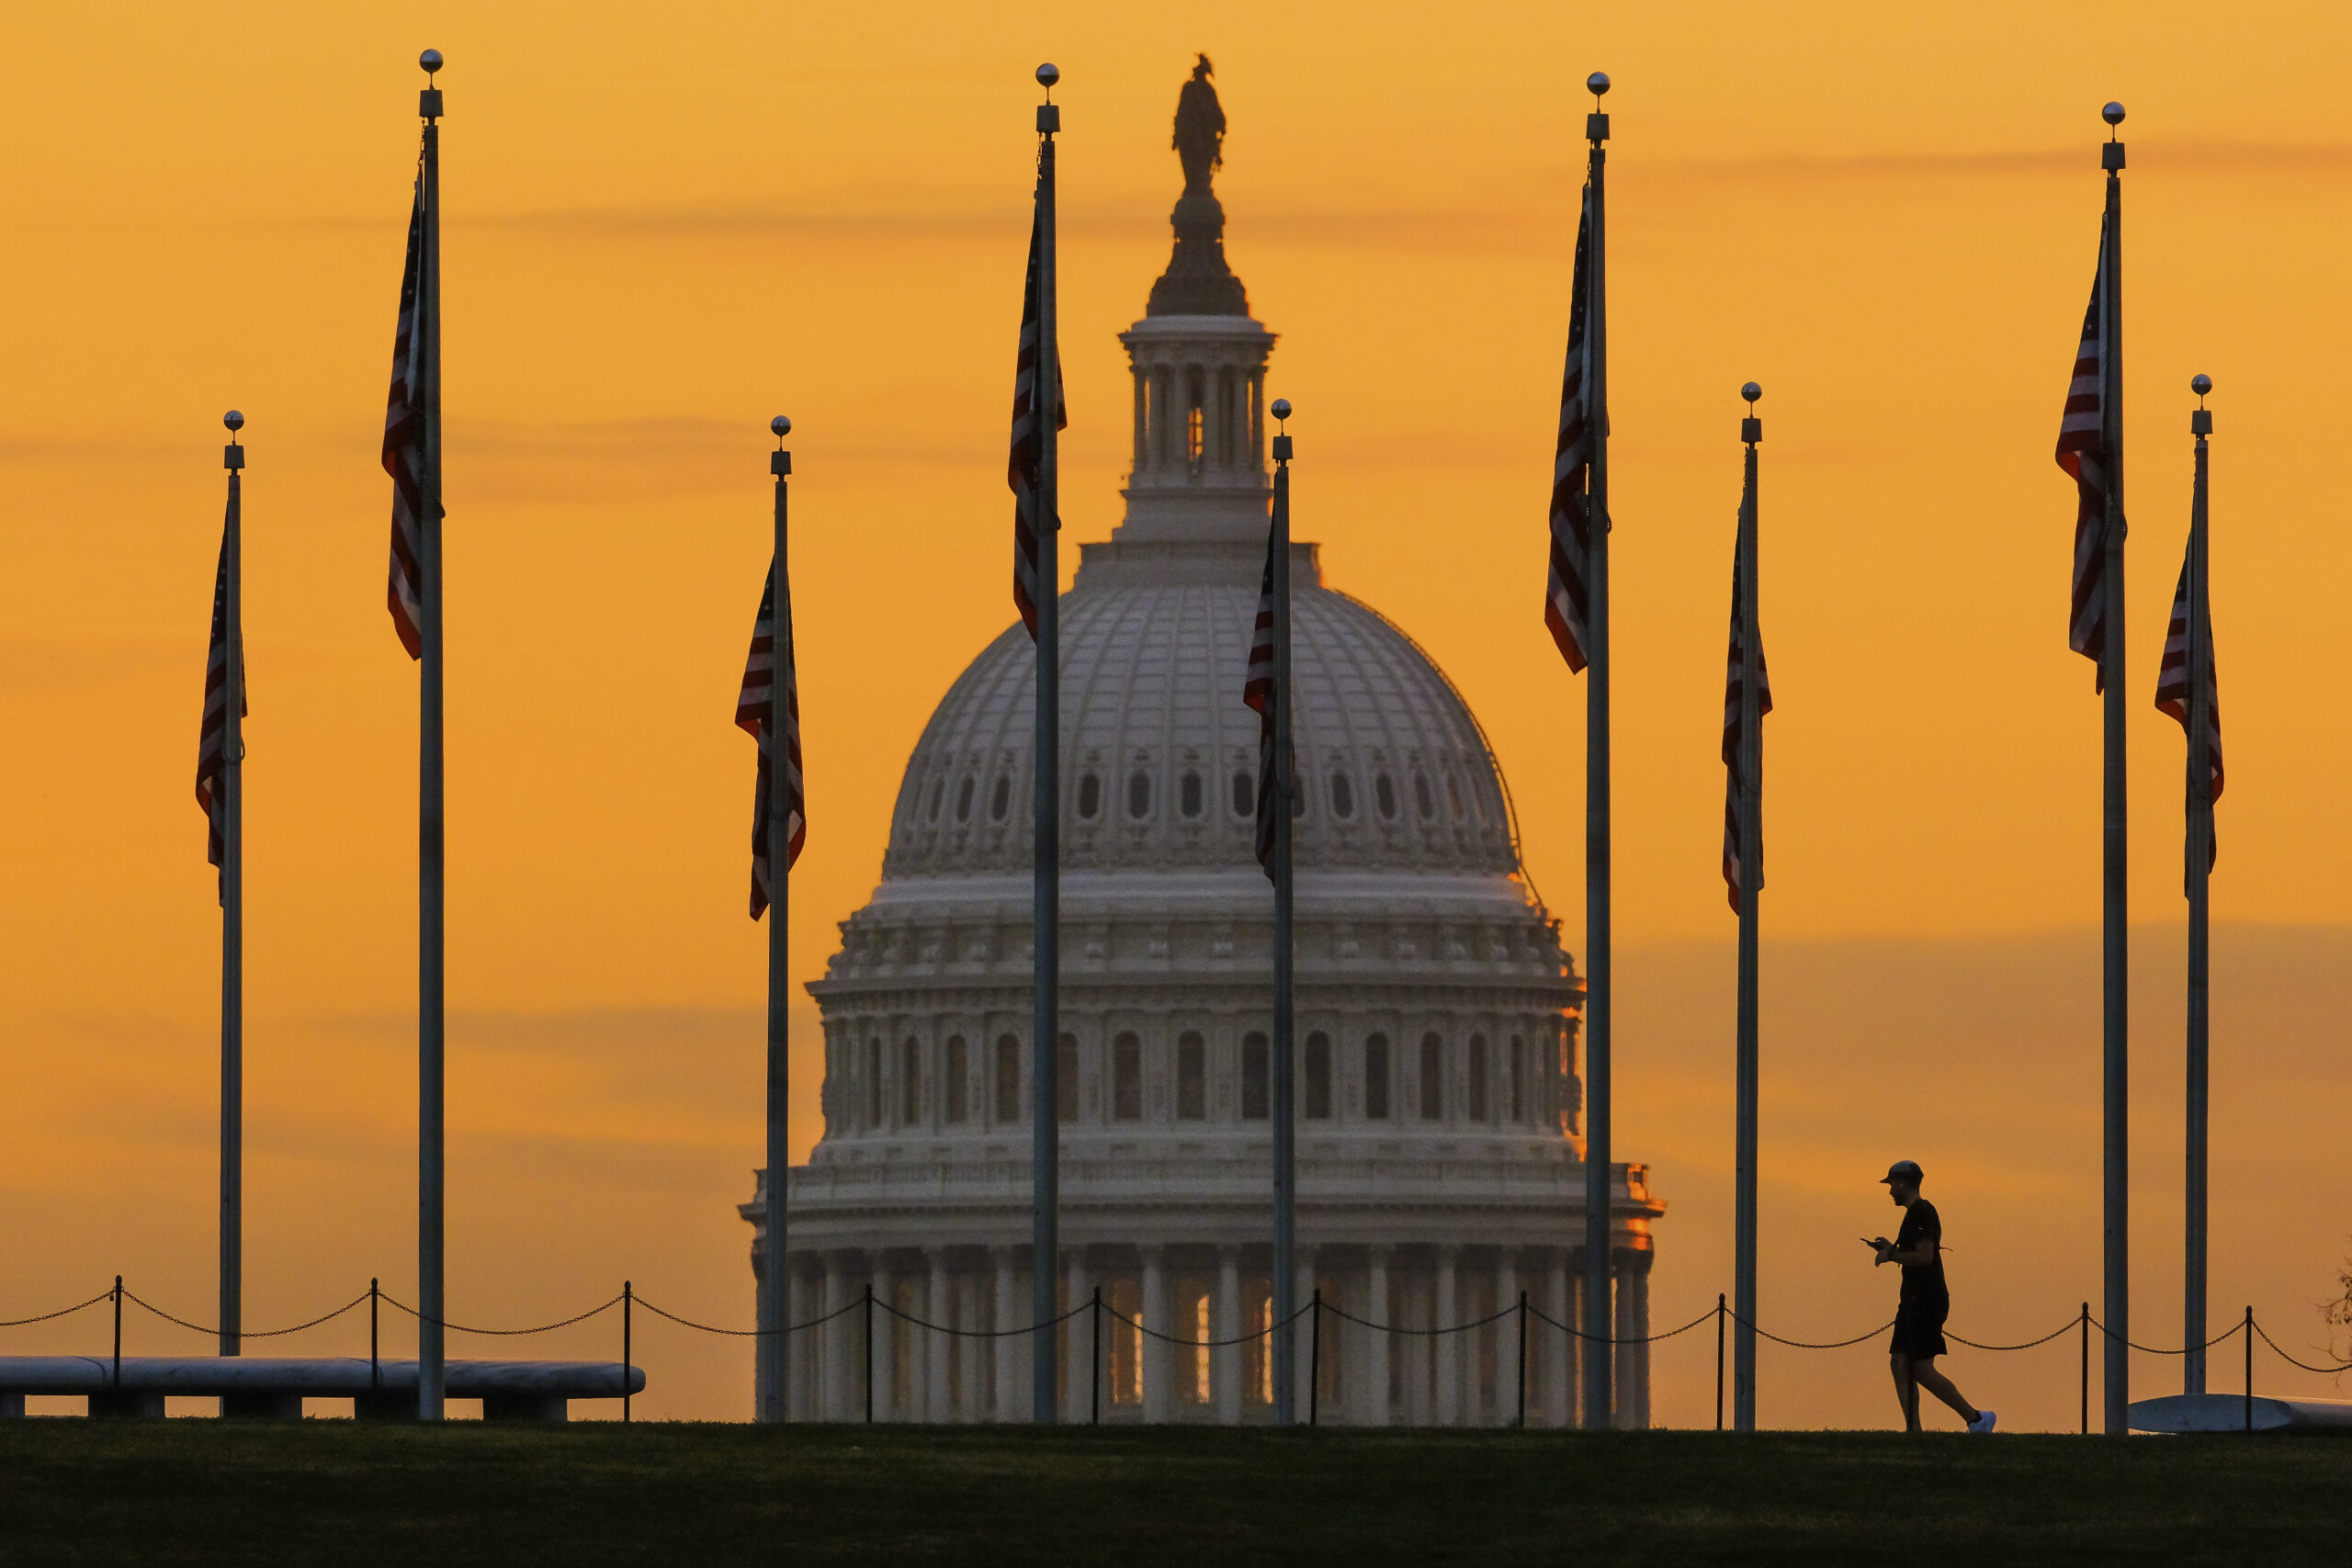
(1439, 1157)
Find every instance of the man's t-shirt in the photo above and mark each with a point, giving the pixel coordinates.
(1923, 1283)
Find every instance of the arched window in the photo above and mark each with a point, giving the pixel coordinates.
(1375, 1077)
(1343, 797)
(1000, 801)
(1193, 428)
(1245, 794)
(1189, 795)
(1518, 1078)
(873, 1083)
(1126, 1078)
(1478, 1096)
(1192, 1078)
(1319, 1076)
(1008, 1080)
(1066, 1079)
(1090, 796)
(964, 801)
(1138, 795)
(1254, 1077)
(1454, 796)
(1383, 796)
(910, 1082)
(959, 1090)
(1432, 1078)
(1422, 799)
(938, 793)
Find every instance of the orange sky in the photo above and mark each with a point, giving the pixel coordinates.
(666, 225)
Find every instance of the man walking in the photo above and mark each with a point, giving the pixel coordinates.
(1917, 1247)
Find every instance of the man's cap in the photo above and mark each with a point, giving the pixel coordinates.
(1902, 1170)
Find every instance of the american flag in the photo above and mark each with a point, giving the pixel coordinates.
(2082, 452)
(1027, 455)
(1734, 683)
(753, 710)
(1258, 691)
(1564, 600)
(404, 447)
(212, 738)
(2172, 690)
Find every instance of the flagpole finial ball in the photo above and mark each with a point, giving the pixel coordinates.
(1047, 75)
(1751, 391)
(2200, 384)
(2112, 114)
(781, 425)
(430, 60)
(236, 422)
(1282, 408)
(1598, 83)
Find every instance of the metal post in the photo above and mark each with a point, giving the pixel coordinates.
(2116, 912)
(117, 1342)
(2199, 857)
(869, 1352)
(375, 1365)
(782, 742)
(2249, 1368)
(431, 1379)
(1095, 1357)
(1046, 913)
(2087, 1369)
(1597, 1362)
(1522, 1422)
(1283, 1261)
(629, 1299)
(1315, 1358)
(230, 783)
(1719, 1360)
(1750, 806)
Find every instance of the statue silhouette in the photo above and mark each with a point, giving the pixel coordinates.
(1200, 129)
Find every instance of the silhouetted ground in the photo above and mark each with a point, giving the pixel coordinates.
(332, 1492)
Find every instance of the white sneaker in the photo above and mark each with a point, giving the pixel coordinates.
(1983, 1422)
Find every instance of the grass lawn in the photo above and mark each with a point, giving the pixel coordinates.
(334, 1492)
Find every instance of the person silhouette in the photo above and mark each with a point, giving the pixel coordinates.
(1926, 1301)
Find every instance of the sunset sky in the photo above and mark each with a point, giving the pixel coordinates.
(667, 224)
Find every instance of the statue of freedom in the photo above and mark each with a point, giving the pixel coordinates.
(1200, 129)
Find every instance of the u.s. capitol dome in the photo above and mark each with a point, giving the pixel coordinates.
(1440, 1171)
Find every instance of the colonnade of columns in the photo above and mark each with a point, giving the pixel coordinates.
(1374, 1353)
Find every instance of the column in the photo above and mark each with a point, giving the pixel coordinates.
(1156, 1375)
(938, 1351)
(1143, 454)
(1633, 1324)
(1302, 1337)
(1448, 1348)
(1078, 1335)
(1168, 434)
(1005, 1350)
(1560, 1351)
(1378, 1348)
(1507, 1371)
(798, 1364)
(1225, 1362)
(833, 1344)
(885, 1338)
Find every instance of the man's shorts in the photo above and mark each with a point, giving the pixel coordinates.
(1919, 1330)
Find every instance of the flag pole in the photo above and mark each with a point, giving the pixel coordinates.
(1286, 1106)
(775, 1292)
(1751, 888)
(1597, 1359)
(431, 1381)
(2116, 1037)
(1046, 914)
(2199, 866)
(231, 782)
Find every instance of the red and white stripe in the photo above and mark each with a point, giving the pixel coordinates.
(212, 737)
(1564, 598)
(1026, 461)
(1734, 683)
(753, 708)
(1258, 691)
(404, 449)
(2082, 452)
(2172, 687)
